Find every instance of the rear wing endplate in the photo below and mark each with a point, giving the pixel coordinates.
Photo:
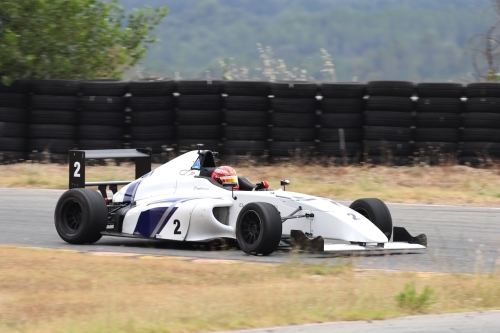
(141, 157)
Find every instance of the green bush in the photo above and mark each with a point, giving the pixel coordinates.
(410, 300)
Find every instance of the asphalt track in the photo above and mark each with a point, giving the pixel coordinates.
(484, 322)
(461, 238)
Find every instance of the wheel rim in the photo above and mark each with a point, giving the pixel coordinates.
(250, 227)
(71, 217)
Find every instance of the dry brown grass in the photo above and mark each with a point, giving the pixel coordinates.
(419, 184)
(62, 291)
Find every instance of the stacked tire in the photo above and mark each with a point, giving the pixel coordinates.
(53, 120)
(199, 114)
(13, 116)
(437, 121)
(102, 114)
(152, 117)
(293, 119)
(387, 130)
(246, 118)
(341, 121)
(481, 124)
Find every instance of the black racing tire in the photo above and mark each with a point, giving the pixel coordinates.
(198, 117)
(244, 147)
(436, 134)
(389, 103)
(55, 87)
(341, 105)
(391, 88)
(377, 212)
(99, 132)
(334, 149)
(477, 148)
(199, 87)
(246, 103)
(246, 118)
(81, 215)
(57, 146)
(481, 135)
(103, 118)
(104, 88)
(13, 115)
(438, 119)
(293, 120)
(258, 228)
(387, 118)
(13, 100)
(440, 89)
(11, 156)
(294, 89)
(152, 103)
(436, 104)
(484, 104)
(484, 120)
(12, 130)
(12, 144)
(50, 102)
(247, 88)
(292, 148)
(387, 133)
(53, 117)
(99, 144)
(386, 148)
(22, 86)
(51, 131)
(199, 132)
(483, 89)
(334, 134)
(343, 90)
(257, 133)
(152, 133)
(341, 120)
(429, 147)
(200, 102)
(102, 103)
(152, 118)
(152, 87)
(294, 105)
(191, 144)
(292, 134)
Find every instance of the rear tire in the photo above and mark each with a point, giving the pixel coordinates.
(80, 216)
(377, 212)
(258, 228)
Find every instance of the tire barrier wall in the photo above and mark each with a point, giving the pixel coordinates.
(392, 122)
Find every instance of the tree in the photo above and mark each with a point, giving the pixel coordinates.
(72, 39)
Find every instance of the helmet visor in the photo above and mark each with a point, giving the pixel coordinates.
(229, 180)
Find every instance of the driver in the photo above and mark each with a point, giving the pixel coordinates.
(227, 177)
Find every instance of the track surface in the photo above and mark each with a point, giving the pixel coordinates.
(461, 239)
(484, 322)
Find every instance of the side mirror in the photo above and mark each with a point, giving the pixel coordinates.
(284, 183)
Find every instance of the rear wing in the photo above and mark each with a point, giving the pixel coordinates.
(141, 157)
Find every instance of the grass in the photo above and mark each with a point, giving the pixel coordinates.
(63, 291)
(456, 184)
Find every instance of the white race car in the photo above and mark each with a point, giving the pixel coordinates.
(179, 201)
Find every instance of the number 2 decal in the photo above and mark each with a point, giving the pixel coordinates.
(77, 169)
(176, 231)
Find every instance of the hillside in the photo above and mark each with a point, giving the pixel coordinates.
(423, 40)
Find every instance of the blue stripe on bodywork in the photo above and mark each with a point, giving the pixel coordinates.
(129, 194)
(180, 200)
(148, 220)
(167, 219)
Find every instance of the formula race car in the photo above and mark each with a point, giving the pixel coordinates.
(180, 201)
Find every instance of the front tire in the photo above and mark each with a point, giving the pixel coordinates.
(80, 216)
(258, 228)
(377, 212)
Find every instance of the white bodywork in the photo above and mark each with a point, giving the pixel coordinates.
(172, 203)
